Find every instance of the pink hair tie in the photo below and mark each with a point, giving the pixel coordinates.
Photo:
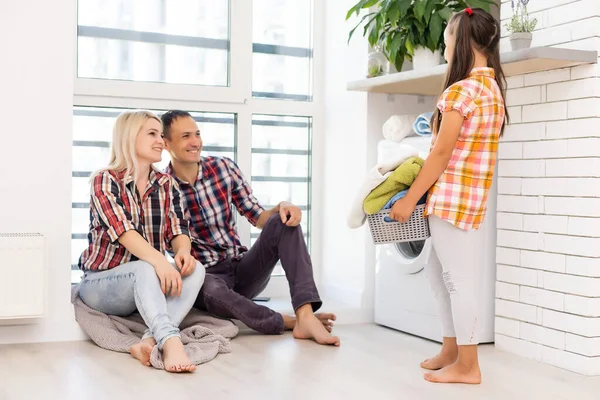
(469, 11)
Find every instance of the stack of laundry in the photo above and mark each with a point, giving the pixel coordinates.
(389, 181)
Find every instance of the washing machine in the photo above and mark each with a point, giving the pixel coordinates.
(403, 297)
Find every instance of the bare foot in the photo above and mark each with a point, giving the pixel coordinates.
(308, 326)
(326, 319)
(456, 373)
(440, 361)
(142, 350)
(175, 358)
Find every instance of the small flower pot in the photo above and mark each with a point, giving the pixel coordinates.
(424, 58)
(520, 40)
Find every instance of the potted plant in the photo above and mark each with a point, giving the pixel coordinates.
(410, 29)
(520, 26)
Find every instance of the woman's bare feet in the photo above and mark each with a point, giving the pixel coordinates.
(456, 373)
(308, 326)
(325, 318)
(448, 356)
(174, 356)
(142, 350)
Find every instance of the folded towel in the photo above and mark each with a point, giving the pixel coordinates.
(377, 175)
(397, 127)
(422, 125)
(399, 180)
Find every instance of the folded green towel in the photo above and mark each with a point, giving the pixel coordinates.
(399, 180)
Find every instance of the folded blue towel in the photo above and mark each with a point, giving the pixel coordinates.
(422, 126)
(397, 197)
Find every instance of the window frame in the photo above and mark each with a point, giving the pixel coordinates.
(236, 99)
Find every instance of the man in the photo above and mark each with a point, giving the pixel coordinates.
(234, 274)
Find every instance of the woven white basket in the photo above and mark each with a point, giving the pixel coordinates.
(417, 227)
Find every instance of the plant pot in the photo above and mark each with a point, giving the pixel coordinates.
(424, 58)
(520, 40)
(390, 68)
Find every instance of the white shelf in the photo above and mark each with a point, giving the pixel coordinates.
(430, 81)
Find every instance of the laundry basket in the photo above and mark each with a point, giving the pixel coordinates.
(417, 227)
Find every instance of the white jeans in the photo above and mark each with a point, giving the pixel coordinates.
(453, 269)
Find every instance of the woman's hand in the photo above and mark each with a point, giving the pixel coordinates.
(402, 210)
(170, 278)
(185, 262)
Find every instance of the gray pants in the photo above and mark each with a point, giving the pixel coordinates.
(135, 285)
(231, 284)
(453, 269)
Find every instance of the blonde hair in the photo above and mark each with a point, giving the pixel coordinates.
(122, 151)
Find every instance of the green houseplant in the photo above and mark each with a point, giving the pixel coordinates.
(520, 26)
(402, 27)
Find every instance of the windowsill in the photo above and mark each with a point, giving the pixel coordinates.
(429, 82)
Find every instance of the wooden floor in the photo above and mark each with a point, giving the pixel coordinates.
(373, 363)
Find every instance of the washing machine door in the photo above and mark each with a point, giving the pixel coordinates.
(409, 257)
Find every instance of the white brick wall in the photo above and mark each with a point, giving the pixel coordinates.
(548, 254)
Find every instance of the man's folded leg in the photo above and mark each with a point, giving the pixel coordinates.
(219, 299)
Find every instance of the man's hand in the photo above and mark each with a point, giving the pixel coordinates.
(290, 214)
(186, 263)
(402, 210)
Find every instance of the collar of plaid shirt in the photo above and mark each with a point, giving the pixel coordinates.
(484, 71)
(155, 176)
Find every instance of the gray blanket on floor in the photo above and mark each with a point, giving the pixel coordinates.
(203, 336)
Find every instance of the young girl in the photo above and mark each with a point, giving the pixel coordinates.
(467, 124)
(136, 213)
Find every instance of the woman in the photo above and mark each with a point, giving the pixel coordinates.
(467, 125)
(137, 214)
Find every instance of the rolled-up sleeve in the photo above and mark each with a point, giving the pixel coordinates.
(107, 203)
(243, 198)
(177, 224)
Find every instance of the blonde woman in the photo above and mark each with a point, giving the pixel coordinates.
(137, 214)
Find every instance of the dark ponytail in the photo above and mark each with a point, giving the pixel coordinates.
(481, 30)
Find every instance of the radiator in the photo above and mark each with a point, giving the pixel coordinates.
(22, 275)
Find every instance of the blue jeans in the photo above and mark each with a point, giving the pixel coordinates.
(135, 285)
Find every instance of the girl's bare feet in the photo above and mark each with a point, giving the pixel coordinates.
(142, 350)
(464, 370)
(448, 355)
(456, 373)
(174, 356)
(308, 326)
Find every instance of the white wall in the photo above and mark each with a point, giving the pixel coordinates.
(352, 131)
(548, 289)
(37, 38)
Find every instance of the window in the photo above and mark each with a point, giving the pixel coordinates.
(282, 47)
(247, 66)
(281, 164)
(92, 135)
(170, 41)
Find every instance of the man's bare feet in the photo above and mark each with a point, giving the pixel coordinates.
(326, 319)
(456, 373)
(440, 361)
(174, 356)
(308, 326)
(142, 350)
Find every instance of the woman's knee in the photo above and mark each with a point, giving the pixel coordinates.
(143, 268)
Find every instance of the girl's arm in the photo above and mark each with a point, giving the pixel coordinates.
(434, 166)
